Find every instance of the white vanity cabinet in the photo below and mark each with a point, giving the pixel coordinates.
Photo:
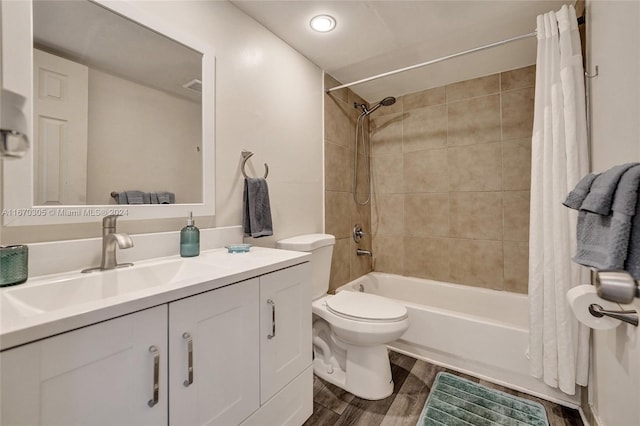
(238, 354)
(101, 374)
(285, 341)
(213, 346)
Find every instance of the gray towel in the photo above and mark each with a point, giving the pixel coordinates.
(134, 197)
(607, 241)
(576, 197)
(256, 217)
(632, 264)
(162, 197)
(602, 190)
(166, 197)
(138, 197)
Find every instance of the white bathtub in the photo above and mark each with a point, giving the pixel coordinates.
(481, 332)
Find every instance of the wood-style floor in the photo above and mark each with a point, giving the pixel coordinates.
(412, 382)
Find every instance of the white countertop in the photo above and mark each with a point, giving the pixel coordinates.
(17, 329)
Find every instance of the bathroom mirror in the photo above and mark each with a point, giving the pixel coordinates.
(118, 103)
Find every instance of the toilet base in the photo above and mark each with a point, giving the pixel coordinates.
(367, 372)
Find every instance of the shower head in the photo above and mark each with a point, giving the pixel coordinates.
(388, 101)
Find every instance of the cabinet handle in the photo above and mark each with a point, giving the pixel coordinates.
(273, 319)
(189, 340)
(156, 375)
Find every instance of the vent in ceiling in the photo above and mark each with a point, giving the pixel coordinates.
(194, 85)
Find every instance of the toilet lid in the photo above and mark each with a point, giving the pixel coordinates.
(365, 306)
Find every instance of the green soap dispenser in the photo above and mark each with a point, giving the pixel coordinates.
(190, 239)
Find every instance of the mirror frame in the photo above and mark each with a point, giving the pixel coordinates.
(18, 175)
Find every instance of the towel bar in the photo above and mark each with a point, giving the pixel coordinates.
(245, 156)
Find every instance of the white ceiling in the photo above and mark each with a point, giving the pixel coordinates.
(85, 32)
(372, 37)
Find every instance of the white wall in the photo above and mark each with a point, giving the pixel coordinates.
(141, 138)
(613, 34)
(268, 100)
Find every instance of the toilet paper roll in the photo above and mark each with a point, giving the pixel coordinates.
(581, 297)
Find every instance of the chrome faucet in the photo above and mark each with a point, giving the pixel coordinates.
(109, 241)
(361, 252)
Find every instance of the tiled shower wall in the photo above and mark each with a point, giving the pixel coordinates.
(341, 212)
(451, 171)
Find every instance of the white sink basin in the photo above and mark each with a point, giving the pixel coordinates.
(64, 292)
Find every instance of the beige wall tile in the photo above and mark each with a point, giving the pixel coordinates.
(387, 214)
(424, 128)
(387, 174)
(516, 164)
(517, 113)
(518, 78)
(336, 210)
(516, 216)
(423, 99)
(516, 266)
(477, 262)
(338, 169)
(476, 215)
(474, 121)
(426, 215)
(388, 251)
(473, 88)
(337, 121)
(426, 258)
(426, 171)
(475, 167)
(386, 134)
(339, 264)
(360, 214)
(329, 82)
(363, 171)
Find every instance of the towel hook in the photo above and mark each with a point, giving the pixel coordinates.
(594, 75)
(245, 156)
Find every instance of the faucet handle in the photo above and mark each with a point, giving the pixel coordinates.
(110, 220)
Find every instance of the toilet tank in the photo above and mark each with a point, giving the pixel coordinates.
(321, 248)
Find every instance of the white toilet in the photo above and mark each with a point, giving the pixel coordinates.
(350, 329)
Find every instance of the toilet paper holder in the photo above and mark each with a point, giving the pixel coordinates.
(630, 317)
(618, 287)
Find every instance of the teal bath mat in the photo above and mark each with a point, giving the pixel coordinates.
(457, 401)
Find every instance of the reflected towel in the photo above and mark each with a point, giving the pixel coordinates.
(134, 197)
(256, 217)
(162, 197)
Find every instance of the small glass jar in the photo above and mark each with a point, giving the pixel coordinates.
(14, 263)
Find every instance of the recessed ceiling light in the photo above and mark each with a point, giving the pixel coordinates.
(322, 23)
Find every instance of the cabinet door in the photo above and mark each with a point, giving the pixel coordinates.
(98, 375)
(285, 327)
(221, 329)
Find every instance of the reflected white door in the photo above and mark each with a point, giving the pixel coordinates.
(61, 90)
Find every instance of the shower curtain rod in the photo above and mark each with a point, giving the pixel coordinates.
(433, 61)
(581, 21)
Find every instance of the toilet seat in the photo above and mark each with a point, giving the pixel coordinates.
(357, 306)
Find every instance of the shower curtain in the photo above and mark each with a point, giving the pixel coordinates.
(558, 343)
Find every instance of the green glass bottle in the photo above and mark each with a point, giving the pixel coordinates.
(190, 239)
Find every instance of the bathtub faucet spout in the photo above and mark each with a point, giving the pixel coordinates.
(361, 252)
